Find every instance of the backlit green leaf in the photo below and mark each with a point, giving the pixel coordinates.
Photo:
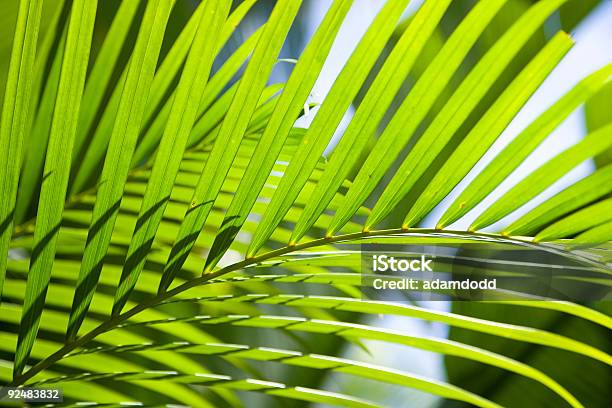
(123, 138)
(413, 110)
(544, 176)
(219, 80)
(100, 75)
(371, 111)
(40, 111)
(522, 145)
(521, 333)
(595, 236)
(289, 105)
(56, 172)
(581, 193)
(164, 76)
(180, 122)
(232, 131)
(340, 96)
(14, 118)
(579, 221)
(32, 173)
(224, 381)
(350, 330)
(487, 130)
(316, 361)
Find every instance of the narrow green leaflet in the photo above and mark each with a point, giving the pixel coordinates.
(228, 70)
(52, 32)
(45, 83)
(315, 361)
(100, 74)
(340, 96)
(371, 111)
(593, 237)
(167, 161)
(97, 147)
(128, 122)
(579, 221)
(54, 325)
(516, 152)
(52, 329)
(14, 118)
(109, 362)
(413, 109)
(545, 176)
(8, 23)
(232, 131)
(289, 105)
(56, 172)
(262, 115)
(39, 138)
(176, 56)
(569, 308)
(583, 192)
(596, 115)
(488, 128)
(191, 167)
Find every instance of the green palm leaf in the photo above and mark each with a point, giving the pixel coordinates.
(414, 107)
(180, 121)
(121, 146)
(370, 112)
(278, 127)
(363, 332)
(543, 177)
(57, 172)
(509, 159)
(329, 116)
(490, 126)
(230, 133)
(579, 221)
(14, 116)
(175, 190)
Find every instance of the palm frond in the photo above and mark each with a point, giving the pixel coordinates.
(189, 233)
